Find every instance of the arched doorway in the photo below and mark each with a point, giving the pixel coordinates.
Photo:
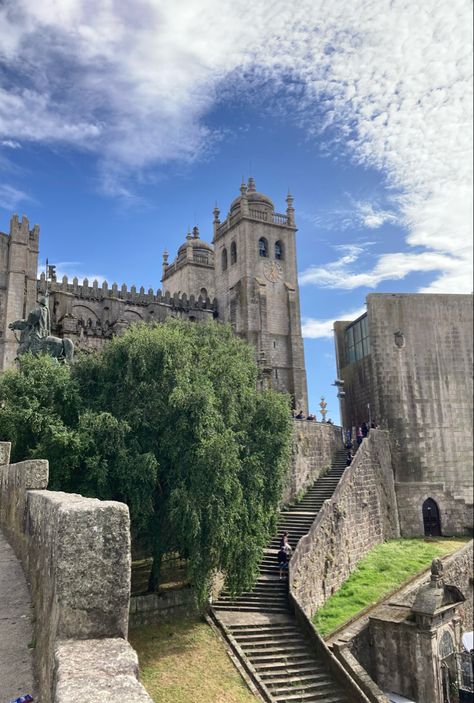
(431, 520)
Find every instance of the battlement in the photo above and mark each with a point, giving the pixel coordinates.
(20, 230)
(96, 292)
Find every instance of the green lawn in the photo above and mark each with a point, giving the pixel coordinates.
(185, 662)
(381, 571)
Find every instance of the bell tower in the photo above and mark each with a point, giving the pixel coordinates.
(257, 286)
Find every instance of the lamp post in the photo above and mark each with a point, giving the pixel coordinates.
(323, 406)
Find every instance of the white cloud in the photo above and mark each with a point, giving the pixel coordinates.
(133, 81)
(358, 214)
(10, 144)
(11, 197)
(323, 329)
(372, 217)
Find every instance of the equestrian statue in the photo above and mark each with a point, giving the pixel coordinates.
(35, 335)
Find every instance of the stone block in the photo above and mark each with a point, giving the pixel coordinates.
(79, 567)
(97, 670)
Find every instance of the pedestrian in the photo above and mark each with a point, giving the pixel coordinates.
(282, 561)
(284, 539)
(365, 429)
(359, 436)
(348, 458)
(300, 415)
(373, 425)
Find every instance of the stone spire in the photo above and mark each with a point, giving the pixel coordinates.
(165, 260)
(195, 232)
(216, 221)
(244, 205)
(290, 210)
(251, 185)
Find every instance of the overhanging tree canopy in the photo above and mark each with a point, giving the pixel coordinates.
(168, 419)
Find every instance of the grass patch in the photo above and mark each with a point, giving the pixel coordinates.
(381, 571)
(185, 661)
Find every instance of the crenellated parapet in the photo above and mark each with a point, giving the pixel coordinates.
(91, 313)
(100, 292)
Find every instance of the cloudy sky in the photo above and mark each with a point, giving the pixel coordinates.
(122, 122)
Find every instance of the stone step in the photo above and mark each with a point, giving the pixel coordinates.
(250, 608)
(279, 652)
(323, 686)
(284, 649)
(249, 641)
(293, 668)
(272, 678)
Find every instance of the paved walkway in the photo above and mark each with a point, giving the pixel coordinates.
(16, 660)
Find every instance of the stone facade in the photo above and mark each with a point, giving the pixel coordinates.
(76, 555)
(247, 277)
(18, 273)
(361, 514)
(416, 378)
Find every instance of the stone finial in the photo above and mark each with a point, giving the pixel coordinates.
(195, 232)
(251, 188)
(165, 257)
(216, 213)
(243, 188)
(189, 235)
(437, 570)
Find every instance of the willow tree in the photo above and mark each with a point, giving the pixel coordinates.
(206, 451)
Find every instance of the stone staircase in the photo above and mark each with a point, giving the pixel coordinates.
(260, 624)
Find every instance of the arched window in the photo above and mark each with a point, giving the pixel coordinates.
(431, 521)
(278, 250)
(233, 253)
(263, 247)
(224, 259)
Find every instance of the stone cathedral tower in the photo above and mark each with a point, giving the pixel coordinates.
(256, 286)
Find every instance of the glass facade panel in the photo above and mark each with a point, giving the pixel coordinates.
(357, 340)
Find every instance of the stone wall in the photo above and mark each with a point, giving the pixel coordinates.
(361, 514)
(314, 445)
(160, 607)
(76, 555)
(418, 380)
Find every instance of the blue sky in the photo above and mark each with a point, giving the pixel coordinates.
(121, 123)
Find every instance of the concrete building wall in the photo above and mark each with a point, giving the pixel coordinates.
(418, 379)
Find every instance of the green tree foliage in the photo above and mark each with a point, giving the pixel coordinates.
(168, 419)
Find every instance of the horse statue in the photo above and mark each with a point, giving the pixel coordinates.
(35, 337)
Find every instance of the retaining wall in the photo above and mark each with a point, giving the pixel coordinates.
(159, 607)
(76, 555)
(314, 445)
(361, 513)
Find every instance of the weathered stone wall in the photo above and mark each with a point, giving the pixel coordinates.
(160, 607)
(361, 514)
(76, 555)
(314, 445)
(418, 379)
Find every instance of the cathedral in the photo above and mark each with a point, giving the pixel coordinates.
(246, 277)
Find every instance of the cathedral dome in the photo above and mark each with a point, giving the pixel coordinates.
(253, 197)
(197, 244)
